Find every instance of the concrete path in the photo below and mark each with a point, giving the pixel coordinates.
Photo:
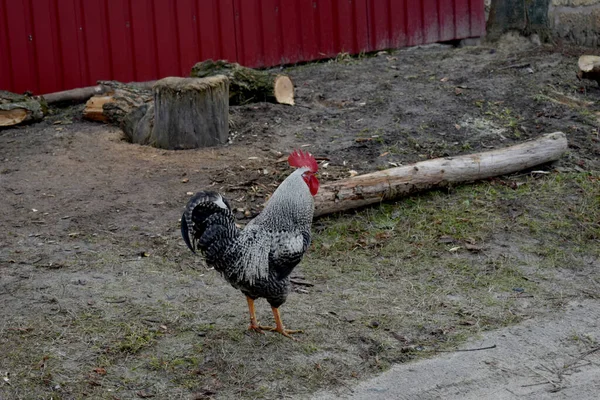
(538, 359)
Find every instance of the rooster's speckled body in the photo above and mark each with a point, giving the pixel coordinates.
(258, 259)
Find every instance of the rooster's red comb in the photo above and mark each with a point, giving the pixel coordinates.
(300, 159)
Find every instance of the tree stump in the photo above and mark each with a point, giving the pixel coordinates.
(16, 109)
(589, 68)
(190, 112)
(526, 16)
(247, 85)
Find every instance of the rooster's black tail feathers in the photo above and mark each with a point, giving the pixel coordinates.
(207, 217)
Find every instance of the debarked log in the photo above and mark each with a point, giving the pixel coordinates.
(390, 184)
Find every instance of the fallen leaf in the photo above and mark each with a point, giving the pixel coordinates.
(384, 154)
(185, 180)
(352, 172)
(384, 235)
(458, 91)
(100, 371)
(444, 79)
(42, 364)
(454, 249)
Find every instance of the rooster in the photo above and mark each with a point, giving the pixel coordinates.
(258, 259)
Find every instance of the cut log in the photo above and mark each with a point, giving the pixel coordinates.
(589, 68)
(94, 111)
(190, 112)
(124, 99)
(363, 190)
(247, 85)
(118, 101)
(16, 109)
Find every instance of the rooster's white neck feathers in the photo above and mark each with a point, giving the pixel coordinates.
(290, 205)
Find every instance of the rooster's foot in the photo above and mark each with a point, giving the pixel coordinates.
(285, 332)
(255, 328)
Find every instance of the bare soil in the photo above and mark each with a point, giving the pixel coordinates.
(100, 297)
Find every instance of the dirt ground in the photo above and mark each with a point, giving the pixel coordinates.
(100, 297)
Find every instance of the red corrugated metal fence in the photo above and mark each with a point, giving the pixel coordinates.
(51, 45)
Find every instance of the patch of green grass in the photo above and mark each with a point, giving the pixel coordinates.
(136, 337)
(506, 117)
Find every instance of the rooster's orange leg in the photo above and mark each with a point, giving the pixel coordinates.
(253, 324)
(279, 328)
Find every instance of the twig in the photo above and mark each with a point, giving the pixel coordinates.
(474, 349)
(517, 66)
(550, 381)
(535, 384)
(344, 384)
(303, 106)
(581, 357)
(116, 301)
(300, 283)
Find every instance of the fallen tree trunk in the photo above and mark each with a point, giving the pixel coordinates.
(363, 190)
(247, 85)
(589, 68)
(78, 95)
